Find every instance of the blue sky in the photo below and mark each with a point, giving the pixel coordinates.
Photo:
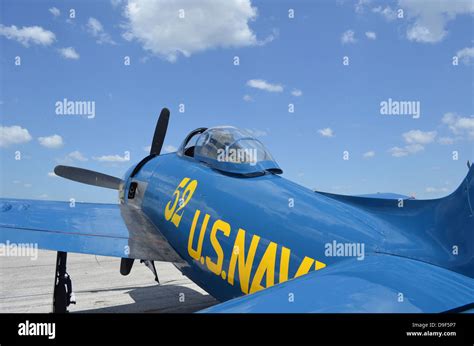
(283, 61)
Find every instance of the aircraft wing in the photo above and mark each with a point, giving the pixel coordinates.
(382, 195)
(90, 228)
(379, 283)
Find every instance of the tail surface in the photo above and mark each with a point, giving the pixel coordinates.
(438, 231)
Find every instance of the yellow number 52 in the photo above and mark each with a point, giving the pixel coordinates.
(180, 200)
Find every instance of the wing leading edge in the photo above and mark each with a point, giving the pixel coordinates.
(83, 227)
(90, 228)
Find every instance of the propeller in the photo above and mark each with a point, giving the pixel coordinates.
(158, 139)
(160, 132)
(86, 176)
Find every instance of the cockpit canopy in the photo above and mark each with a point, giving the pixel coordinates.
(231, 150)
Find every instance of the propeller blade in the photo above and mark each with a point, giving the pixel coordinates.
(160, 132)
(88, 177)
(126, 266)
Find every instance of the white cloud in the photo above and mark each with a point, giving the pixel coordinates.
(419, 137)
(270, 38)
(460, 126)
(166, 148)
(95, 28)
(348, 37)
(406, 150)
(422, 34)
(76, 156)
(247, 98)
(13, 135)
(27, 185)
(415, 139)
(360, 6)
(296, 92)
(55, 11)
(112, 158)
(369, 154)
(398, 152)
(69, 53)
(466, 55)
(327, 132)
(207, 24)
(431, 18)
(446, 140)
(264, 85)
(371, 35)
(427, 20)
(28, 35)
(52, 175)
(388, 13)
(414, 148)
(52, 142)
(170, 149)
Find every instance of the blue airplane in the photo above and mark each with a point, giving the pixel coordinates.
(219, 210)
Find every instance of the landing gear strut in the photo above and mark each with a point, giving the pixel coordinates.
(127, 263)
(151, 265)
(63, 295)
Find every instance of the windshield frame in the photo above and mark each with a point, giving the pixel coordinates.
(246, 168)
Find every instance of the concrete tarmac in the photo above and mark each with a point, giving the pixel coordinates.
(26, 286)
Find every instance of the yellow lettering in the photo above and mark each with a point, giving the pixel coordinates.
(305, 266)
(224, 227)
(267, 268)
(284, 263)
(319, 265)
(196, 254)
(245, 266)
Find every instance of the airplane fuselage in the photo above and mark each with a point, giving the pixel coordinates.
(239, 234)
